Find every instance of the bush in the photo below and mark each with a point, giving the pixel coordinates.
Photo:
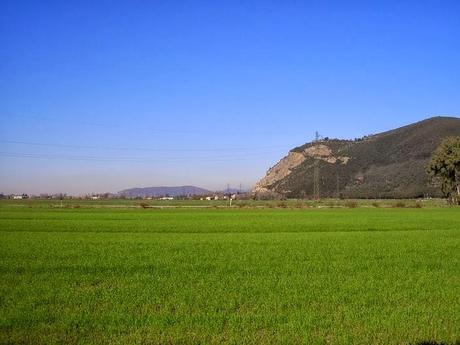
(400, 204)
(300, 204)
(416, 205)
(330, 203)
(281, 204)
(376, 204)
(351, 204)
(144, 205)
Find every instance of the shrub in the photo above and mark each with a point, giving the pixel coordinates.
(281, 204)
(351, 204)
(144, 205)
(330, 203)
(400, 204)
(300, 204)
(418, 205)
(376, 204)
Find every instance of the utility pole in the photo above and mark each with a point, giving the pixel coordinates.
(338, 184)
(229, 195)
(316, 171)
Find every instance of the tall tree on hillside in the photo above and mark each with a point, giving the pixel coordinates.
(444, 168)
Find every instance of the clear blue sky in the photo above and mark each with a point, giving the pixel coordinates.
(103, 95)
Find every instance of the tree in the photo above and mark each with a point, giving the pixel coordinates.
(444, 168)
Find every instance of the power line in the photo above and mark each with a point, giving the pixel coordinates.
(90, 147)
(122, 159)
(106, 124)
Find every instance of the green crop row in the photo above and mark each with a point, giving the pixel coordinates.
(234, 276)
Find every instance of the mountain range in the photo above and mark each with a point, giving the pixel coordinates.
(164, 191)
(386, 165)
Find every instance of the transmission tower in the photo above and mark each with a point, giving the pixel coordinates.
(316, 171)
(338, 183)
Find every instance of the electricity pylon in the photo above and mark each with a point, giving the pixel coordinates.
(316, 170)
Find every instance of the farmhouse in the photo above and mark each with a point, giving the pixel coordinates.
(18, 197)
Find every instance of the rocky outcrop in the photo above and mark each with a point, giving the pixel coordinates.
(323, 152)
(278, 172)
(317, 150)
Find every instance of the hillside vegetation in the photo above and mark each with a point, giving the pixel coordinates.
(386, 165)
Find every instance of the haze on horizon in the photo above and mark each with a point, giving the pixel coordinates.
(100, 97)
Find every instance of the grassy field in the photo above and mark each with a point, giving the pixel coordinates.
(290, 203)
(239, 276)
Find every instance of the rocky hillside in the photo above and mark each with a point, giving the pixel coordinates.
(386, 165)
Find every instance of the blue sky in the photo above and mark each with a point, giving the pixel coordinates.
(104, 95)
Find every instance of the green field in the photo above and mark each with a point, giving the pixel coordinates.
(238, 276)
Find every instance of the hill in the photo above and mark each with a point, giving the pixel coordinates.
(164, 191)
(386, 165)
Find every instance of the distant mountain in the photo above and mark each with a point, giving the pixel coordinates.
(386, 165)
(164, 191)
